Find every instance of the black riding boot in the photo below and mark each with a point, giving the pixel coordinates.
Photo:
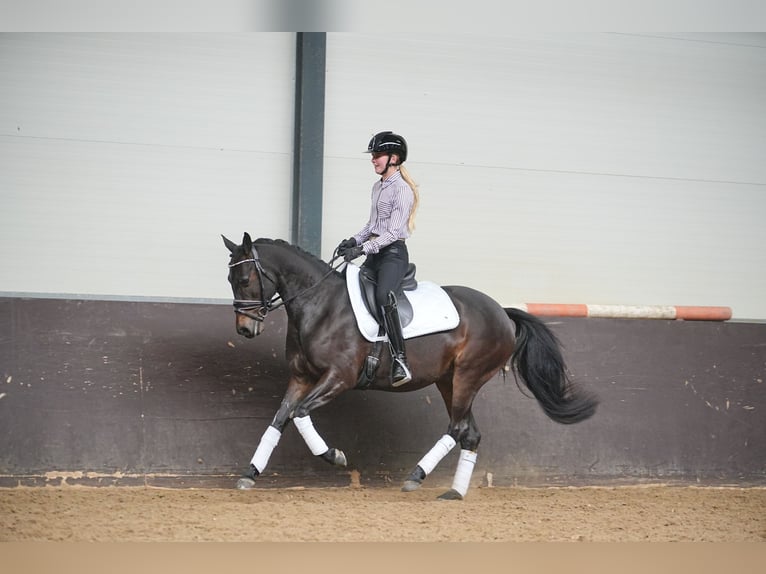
(400, 371)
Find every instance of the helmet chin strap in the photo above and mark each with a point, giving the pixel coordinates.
(389, 164)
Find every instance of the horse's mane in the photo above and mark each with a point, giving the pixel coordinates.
(302, 252)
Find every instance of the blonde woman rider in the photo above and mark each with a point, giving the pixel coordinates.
(382, 239)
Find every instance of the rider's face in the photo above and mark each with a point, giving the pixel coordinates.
(380, 161)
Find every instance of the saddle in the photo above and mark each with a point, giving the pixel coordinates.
(423, 310)
(367, 284)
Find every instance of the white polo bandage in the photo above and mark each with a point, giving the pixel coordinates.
(316, 443)
(442, 447)
(464, 471)
(268, 443)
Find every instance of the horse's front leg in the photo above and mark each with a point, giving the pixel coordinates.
(298, 401)
(295, 393)
(328, 387)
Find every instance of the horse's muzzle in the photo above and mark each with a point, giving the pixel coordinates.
(248, 327)
(250, 316)
(245, 331)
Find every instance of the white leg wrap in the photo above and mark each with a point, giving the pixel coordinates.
(268, 443)
(316, 443)
(464, 471)
(438, 452)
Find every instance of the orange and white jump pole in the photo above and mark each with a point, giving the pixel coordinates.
(686, 313)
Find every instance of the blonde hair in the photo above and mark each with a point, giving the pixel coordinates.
(414, 187)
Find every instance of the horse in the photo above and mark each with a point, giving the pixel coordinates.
(326, 353)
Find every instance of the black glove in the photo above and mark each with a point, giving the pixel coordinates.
(353, 252)
(344, 245)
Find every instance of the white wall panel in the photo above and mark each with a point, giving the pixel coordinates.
(123, 157)
(593, 168)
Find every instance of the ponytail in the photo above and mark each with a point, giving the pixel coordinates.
(414, 187)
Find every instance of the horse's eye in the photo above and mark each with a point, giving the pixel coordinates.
(243, 281)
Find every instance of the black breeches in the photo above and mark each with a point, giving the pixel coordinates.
(389, 265)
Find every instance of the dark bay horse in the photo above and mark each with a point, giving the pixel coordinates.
(325, 352)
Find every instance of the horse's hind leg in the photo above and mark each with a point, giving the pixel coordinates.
(462, 429)
(470, 437)
(426, 465)
(441, 449)
(467, 433)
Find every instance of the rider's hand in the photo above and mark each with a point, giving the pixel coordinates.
(344, 245)
(353, 252)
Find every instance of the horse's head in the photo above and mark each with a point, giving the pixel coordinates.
(252, 287)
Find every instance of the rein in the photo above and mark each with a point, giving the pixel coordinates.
(257, 309)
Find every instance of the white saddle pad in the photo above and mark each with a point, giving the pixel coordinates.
(433, 310)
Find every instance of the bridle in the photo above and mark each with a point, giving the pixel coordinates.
(257, 309)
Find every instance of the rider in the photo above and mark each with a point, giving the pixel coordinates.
(382, 239)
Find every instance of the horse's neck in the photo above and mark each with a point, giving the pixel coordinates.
(310, 291)
(297, 272)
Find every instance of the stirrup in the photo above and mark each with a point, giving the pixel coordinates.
(404, 369)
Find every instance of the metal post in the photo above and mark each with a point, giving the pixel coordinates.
(308, 145)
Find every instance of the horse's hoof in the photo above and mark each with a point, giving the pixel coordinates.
(340, 458)
(335, 457)
(245, 483)
(451, 494)
(410, 485)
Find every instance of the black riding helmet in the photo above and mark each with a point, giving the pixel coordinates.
(388, 142)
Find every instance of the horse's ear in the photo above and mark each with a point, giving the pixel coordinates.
(230, 245)
(247, 243)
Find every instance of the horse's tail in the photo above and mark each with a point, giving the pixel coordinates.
(538, 360)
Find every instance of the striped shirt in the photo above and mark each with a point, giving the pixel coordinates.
(392, 201)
